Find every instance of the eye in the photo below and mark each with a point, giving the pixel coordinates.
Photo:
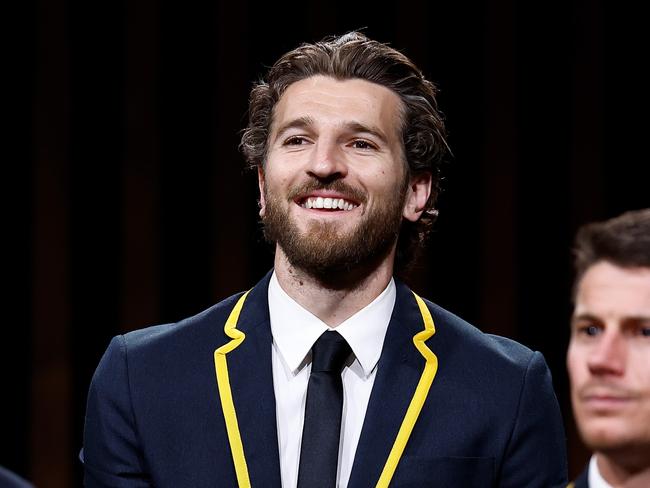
(363, 144)
(638, 328)
(587, 329)
(591, 330)
(295, 141)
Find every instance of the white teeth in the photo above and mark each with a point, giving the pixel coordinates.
(331, 203)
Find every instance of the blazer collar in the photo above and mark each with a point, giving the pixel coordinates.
(251, 382)
(399, 370)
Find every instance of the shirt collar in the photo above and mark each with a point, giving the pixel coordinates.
(295, 329)
(596, 479)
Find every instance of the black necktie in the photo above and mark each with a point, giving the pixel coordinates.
(319, 450)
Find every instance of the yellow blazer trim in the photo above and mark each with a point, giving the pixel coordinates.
(412, 413)
(227, 405)
(419, 397)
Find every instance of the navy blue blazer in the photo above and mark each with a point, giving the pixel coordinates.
(581, 481)
(154, 415)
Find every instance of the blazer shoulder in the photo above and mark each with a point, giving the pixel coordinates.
(144, 350)
(508, 387)
(206, 325)
(459, 334)
(208, 321)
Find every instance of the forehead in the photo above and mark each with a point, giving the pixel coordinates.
(330, 101)
(608, 290)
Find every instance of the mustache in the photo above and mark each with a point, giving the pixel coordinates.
(349, 192)
(605, 388)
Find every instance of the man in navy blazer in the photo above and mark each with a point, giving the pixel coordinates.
(609, 353)
(347, 141)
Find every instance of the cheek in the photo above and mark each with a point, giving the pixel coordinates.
(275, 183)
(386, 183)
(576, 366)
(641, 369)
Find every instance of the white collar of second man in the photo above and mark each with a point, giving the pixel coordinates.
(295, 329)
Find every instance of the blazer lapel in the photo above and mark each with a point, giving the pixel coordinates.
(399, 369)
(251, 382)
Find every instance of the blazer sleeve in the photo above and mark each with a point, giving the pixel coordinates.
(536, 452)
(112, 455)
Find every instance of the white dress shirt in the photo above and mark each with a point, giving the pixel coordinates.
(294, 332)
(596, 479)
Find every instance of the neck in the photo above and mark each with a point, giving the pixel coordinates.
(335, 297)
(623, 471)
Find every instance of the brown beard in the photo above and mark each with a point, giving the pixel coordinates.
(323, 250)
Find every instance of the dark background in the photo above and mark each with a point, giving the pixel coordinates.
(125, 202)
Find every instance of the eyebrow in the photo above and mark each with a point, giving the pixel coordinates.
(624, 320)
(355, 127)
(637, 319)
(583, 317)
(299, 123)
(359, 127)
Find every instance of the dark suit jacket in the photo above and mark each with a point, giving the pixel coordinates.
(154, 414)
(581, 481)
(9, 479)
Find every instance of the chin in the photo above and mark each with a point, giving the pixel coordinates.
(609, 436)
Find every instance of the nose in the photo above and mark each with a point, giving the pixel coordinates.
(608, 357)
(327, 161)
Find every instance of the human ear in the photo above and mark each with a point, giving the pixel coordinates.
(417, 195)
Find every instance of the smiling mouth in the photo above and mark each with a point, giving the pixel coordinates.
(327, 203)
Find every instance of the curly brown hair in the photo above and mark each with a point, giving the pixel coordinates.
(353, 55)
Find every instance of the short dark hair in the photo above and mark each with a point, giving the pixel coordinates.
(623, 241)
(354, 56)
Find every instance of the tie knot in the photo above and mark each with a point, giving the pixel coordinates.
(329, 353)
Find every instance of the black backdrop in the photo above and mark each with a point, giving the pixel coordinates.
(126, 203)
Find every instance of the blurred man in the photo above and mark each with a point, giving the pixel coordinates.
(329, 372)
(609, 353)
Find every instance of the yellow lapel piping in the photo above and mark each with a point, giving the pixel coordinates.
(225, 394)
(419, 397)
(412, 413)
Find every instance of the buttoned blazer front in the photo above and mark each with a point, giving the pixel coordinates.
(154, 415)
